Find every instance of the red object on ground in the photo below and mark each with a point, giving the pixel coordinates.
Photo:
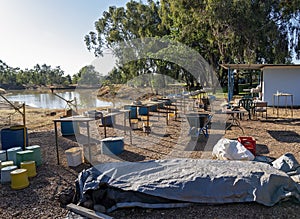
(249, 143)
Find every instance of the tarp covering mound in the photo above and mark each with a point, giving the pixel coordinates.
(178, 182)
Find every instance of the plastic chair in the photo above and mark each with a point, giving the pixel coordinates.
(260, 107)
(247, 103)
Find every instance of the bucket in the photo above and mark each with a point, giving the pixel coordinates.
(13, 137)
(19, 179)
(134, 124)
(36, 154)
(12, 153)
(6, 163)
(5, 173)
(26, 155)
(2, 155)
(74, 156)
(112, 145)
(30, 167)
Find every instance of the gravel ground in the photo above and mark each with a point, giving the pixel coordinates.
(48, 192)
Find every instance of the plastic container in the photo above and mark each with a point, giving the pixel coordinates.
(74, 156)
(249, 143)
(133, 111)
(107, 121)
(2, 155)
(6, 163)
(36, 154)
(13, 137)
(154, 108)
(30, 167)
(112, 145)
(26, 155)
(12, 153)
(5, 173)
(19, 179)
(69, 128)
(143, 111)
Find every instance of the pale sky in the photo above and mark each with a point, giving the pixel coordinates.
(49, 32)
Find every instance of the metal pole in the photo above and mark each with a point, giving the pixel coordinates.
(24, 128)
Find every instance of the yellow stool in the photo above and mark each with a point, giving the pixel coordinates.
(19, 179)
(30, 167)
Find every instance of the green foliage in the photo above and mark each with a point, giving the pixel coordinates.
(89, 76)
(40, 75)
(239, 31)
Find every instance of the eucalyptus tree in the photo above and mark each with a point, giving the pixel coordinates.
(119, 28)
(89, 76)
(238, 31)
(235, 31)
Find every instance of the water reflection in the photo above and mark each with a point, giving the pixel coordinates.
(85, 99)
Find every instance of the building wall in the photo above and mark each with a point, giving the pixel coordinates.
(281, 79)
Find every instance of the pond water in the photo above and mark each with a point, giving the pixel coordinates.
(84, 99)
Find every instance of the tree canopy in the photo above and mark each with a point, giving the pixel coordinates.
(41, 75)
(236, 31)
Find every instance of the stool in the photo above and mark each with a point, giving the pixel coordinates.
(30, 167)
(5, 173)
(11, 153)
(19, 179)
(2, 155)
(26, 155)
(6, 163)
(74, 156)
(36, 154)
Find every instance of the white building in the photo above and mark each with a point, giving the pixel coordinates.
(284, 79)
(275, 79)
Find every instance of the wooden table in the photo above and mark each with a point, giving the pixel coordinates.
(285, 95)
(79, 119)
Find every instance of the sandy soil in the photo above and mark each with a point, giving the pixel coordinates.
(48, 191)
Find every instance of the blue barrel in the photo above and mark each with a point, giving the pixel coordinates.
(13, 137)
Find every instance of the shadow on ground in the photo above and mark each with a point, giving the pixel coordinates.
(285, 136)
